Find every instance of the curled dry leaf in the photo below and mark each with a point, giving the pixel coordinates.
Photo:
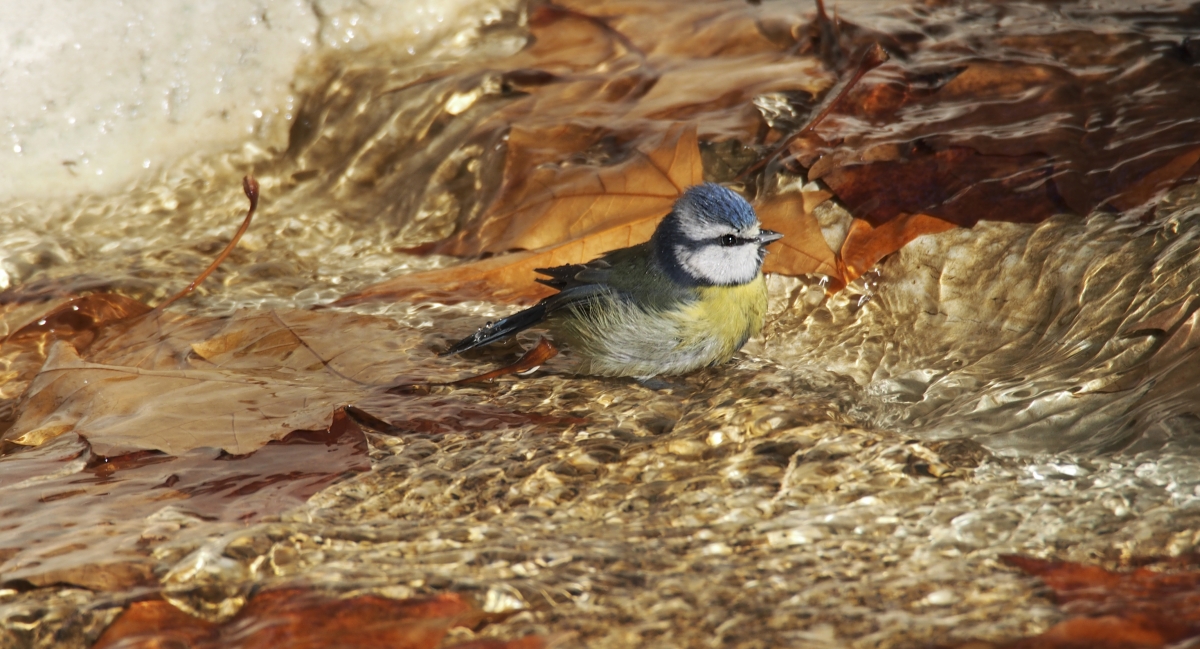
(530, 360)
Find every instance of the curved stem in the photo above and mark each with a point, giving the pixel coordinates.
(250, 187)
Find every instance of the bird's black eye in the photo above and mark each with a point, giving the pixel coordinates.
(729, 240)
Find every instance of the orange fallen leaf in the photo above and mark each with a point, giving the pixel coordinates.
(585, 216)
(505, 278)
(1157, 181)
(299, 619)
(865, 245)
(556, 204)
(1114, 610)
(803, 249)
(73, 317)
(510, 278)
(530, 360)
(670, 169)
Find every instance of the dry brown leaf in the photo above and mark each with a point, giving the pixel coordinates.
(975, 131)
(173, 383)
(555, 204)
(120, 408)
(510, 278)
(70, 317)
(648, 62)
(1157, 181)
(565, 41)
(612, 79)
(34, 326)
(956, 184)
(78, 518)
(506, 278)
(803, 249)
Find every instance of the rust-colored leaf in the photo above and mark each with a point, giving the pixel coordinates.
(510, 278)
(956, 184)
(300, 619)
(965, 131)
(1111, 610)
(582, 211)
(1157, 181)
(75, 322)
(77, 317)
(155, 624)
(643, 63)
(865, 245)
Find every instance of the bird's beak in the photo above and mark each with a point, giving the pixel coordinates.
(767, 236)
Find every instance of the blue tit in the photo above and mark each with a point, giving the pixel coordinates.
(689, 297)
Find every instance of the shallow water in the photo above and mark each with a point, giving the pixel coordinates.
(849, 481)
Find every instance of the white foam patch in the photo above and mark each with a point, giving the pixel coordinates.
(93, 95)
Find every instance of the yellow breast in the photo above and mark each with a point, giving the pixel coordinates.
(727, 315)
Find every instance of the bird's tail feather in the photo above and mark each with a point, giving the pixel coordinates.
(499, 330)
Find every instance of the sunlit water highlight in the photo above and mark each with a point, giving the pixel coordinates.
(1043, 372)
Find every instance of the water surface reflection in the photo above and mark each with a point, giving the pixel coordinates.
(849, 481)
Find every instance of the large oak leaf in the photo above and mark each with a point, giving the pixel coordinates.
(174, 383)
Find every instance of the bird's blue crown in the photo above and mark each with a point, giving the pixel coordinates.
(712, 202)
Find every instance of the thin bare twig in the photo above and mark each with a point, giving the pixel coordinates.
(250, 187)
(874, 57)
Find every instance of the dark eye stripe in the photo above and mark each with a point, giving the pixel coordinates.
(694, 244)
(730, 240)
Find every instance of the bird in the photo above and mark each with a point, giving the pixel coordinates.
(688, 298)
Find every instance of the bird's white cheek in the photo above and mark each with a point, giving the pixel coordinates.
(722, 265)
